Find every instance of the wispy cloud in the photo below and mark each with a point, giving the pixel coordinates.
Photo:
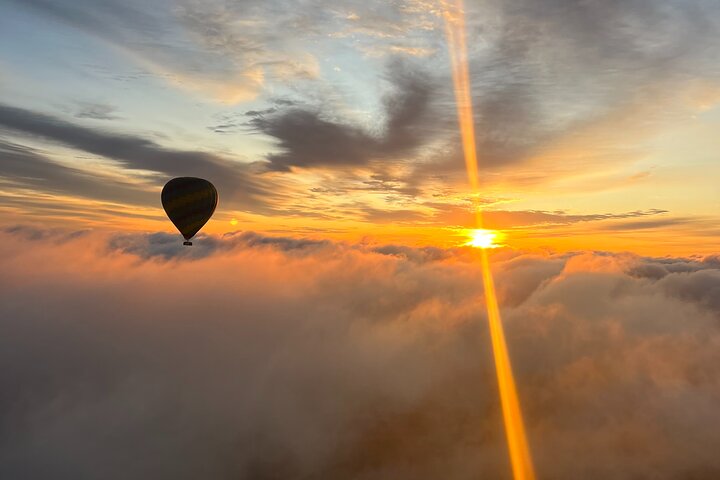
(95, 111)
(25, 167)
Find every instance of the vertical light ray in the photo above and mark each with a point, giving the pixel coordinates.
(457, 46)
(520, 458)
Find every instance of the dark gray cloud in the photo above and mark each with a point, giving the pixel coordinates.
(29, 233)
(237, 122)
(308, 139)
(415, 254)
(165, 246)
(286, 244)
(95, 111)
(21, 166)
(235, 180)
(650, 224)
(701, 287)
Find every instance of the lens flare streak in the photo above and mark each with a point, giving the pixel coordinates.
(512, 414)
(520, 458)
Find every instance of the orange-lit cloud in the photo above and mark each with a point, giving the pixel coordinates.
(315, 358)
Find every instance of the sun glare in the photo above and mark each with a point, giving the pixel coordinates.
(481, 238)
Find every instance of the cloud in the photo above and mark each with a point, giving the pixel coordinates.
(551, 86)
(557, 92)
(96, 111)
(273, 358)
(543, 70)
(448, 214)
(307, 139)
(509, 219)
(548, 68)
(164, 246)
(230, 51)
(132, 152)
(650, 224)
(28, 168)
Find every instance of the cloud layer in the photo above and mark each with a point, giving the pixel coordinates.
(129, 356)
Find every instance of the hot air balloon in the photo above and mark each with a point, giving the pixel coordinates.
(189, 203)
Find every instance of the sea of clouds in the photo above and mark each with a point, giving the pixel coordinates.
(129, 356)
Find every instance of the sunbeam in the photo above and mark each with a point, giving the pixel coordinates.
(520, 457)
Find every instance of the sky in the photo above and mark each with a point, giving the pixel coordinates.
(329, 321)
(595, 120)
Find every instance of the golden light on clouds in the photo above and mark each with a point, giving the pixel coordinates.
(518, 447)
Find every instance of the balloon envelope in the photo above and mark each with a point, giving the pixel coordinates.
(189, 203)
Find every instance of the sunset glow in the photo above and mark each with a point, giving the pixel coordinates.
(359, 239)
(567, 164)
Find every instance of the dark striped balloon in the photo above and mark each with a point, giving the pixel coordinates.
(189, 203)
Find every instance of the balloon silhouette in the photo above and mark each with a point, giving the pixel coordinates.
(189, 203)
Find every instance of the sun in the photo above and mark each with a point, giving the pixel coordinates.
(481, 238)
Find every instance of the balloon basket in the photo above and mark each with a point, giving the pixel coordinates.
(187, 243)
